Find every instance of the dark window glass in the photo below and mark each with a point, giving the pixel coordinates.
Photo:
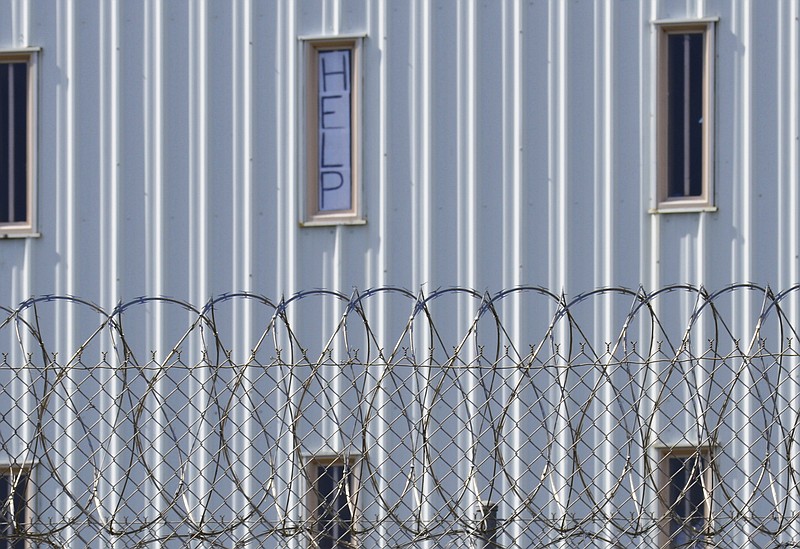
(13, 142)
(687, 513)
(13, 510)
(685, 118)
(333, 514)
(6, 185)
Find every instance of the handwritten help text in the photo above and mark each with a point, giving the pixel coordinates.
(335, 130)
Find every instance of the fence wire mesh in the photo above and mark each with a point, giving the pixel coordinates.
(384, 418)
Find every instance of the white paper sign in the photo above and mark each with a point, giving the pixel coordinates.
(334, 162)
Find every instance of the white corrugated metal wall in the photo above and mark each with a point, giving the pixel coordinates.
(505, 143)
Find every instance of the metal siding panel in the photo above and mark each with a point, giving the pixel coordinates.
(310, 17)
(108, 210)
(508, 169)
(442, 142)
(766, 143)
(466, 261)
(317, 251)
(399, 177)
(130, 143)
(7, 24)
(490, 189)
(286, 245)
(374, 158)
(86, 86)
(629, 220)
(537, 218)
(742, 188)
(263, 90)
(580, 147)
(353, 16)
(221, 216)
(423, 146)
(241, 148)
(558, 177)
(786, 56)
(198, 215)
(172, 86)
(606, 193)
(152, 129)
(492, 159)
(420, 139)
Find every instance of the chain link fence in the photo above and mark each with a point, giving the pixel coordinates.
(384, 418)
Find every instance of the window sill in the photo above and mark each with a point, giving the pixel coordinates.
(333, 221)
(664, 209)
(18, 234)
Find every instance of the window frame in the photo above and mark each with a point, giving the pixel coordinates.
(664, 486)
(27, 228)
(706, 200)
(7, 471)
(313, 504)
(310, 212)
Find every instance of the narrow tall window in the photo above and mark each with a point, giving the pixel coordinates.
(332, 503)
(685, 115)
(14, 507)
(17, 138)
(332, 142)
(13, 140)
(685, 498)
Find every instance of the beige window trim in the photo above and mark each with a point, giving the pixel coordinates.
(313, 192)
(15, 473)
(665, 484)
(314, 505)
(26, 227)
(685, 202)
